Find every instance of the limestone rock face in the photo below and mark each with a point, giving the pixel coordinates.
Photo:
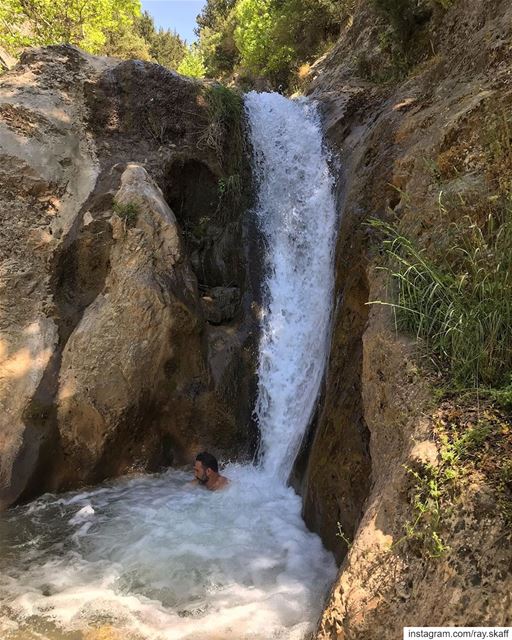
(47, 170)
(106, 363)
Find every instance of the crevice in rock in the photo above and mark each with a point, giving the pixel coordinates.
(80, 274)
(210, 230)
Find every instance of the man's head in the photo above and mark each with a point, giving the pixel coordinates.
(205, 466)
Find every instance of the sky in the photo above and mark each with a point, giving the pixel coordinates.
(177, 15)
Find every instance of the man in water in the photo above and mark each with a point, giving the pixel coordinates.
(206, 471)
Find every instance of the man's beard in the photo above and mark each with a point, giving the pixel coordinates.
(202, 480)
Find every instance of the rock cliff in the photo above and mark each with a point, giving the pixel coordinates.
(126, 303)
(405, 139)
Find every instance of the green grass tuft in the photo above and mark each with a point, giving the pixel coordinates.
(460, 309)
(128, 212)
(224, 109)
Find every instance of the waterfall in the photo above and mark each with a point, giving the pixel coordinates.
(297, 217)
(150, 558)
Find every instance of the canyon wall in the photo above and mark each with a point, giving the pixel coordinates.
(414, 148)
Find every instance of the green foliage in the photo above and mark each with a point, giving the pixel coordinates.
(220, 52)
(503, 396)
(404, 16)
(216, 26)
(126, 44)
(402, 45)
(167, 48)
(426, 497)
(85, 23)
(108, 27)
(338, 10)
(192, 63)
(392, 65)
(465, 447)
(461, 308)
(164, 46)
(230, 186)
(496, 137)
(223, 133)
(435, 484)
(127, 211)
(213, 14)
(254, 36)
(478, 448)
(230, 194)
(267, 38)
(274, 37)
(471, 439)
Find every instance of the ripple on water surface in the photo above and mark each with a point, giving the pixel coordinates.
(154, 558)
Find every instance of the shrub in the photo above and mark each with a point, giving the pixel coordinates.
(192, 63)
(223, 132)
(400, 15)
(267, 38)
(164, 46)
(427, 498)
(261, 51)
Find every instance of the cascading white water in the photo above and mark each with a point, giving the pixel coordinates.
(148, 558)
(297, 216)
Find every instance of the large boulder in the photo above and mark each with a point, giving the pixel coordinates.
(134, 384)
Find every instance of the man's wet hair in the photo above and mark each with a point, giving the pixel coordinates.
(208, 460)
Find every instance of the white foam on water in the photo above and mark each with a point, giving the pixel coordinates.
(165, 560)
(157, 559)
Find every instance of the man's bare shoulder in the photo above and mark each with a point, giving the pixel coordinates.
(222, 483)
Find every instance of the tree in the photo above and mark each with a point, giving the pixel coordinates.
(111, 27)
(145, 26)
(268, 38)
(84, 23)
(193, 63)
(214, 14)
(216, 29)
(165, 46)
(127, 44)
(253, 33)
(261, 25)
